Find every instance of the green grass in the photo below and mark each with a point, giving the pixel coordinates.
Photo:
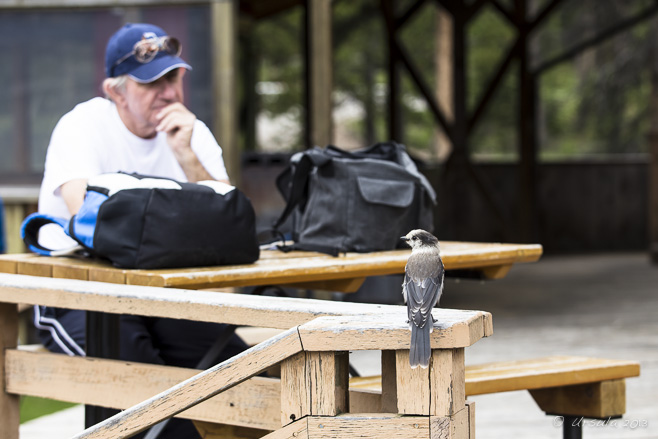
(33, 407)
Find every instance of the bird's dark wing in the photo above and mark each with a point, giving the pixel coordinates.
(422, 296)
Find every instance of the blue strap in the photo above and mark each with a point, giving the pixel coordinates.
(30, 231)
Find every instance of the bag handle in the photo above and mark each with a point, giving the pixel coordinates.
(297, 185)
(30, 234)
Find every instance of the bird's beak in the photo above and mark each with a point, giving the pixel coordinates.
(404, 238)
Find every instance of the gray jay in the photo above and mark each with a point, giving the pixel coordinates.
(421, 289)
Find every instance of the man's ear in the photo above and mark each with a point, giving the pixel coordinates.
(113, 92)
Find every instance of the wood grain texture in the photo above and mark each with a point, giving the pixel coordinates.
(120, 385)
(9, 403)
(197, 389)
(369, 426)
(295, 402)
(209, 306)
(276, 268)
(413, 386)
(454, 328)
(593, 400)
(506, 376)
(327, 374)
(545, 372)
(295, 430)
(447, 382)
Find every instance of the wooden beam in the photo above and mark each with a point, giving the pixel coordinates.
(120, 385)
(319, 62)
(9, 403)
(395, 125)
(597, 39)
(444, 79)
(596, 400)
(492, 86)
(224, 26)
(380, 332)
(545, 372)
(373, 426)
(209, 306)
(198, 388)
(537, 373)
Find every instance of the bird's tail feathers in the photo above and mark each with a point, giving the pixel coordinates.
(420, 349)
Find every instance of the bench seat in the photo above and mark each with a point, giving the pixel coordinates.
(561, 385)
(538, 373)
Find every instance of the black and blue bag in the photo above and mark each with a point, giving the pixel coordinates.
(145, 222)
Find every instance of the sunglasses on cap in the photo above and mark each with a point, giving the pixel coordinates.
(148, 47)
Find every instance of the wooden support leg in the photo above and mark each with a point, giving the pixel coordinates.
(437, 392)
(596, 400)
(314, 383)
(9, 404)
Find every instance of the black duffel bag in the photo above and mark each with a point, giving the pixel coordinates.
(150, 222)
(358, 201)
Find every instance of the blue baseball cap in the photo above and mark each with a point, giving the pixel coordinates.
(121, 60)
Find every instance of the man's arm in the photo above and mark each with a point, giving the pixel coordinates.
(178, 122)
(73, 193)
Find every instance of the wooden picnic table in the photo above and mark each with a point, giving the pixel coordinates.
(300, 269)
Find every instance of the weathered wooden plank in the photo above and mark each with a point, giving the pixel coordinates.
(210, 306)
(276, 268)
(506, 376)
(376, 332)
(116, 384)
(277, 271)
(9, 403)
(295, 430)
(447, 382)
(593, 400)
(295, 402)
(413, 386)
(545, 372)
(369, 426)
(198, 388)
(327, 374)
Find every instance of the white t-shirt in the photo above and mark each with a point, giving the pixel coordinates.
(91, 139)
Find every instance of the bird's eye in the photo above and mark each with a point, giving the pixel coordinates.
(414, 238)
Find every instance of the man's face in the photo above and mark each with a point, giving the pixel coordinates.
(142, 102)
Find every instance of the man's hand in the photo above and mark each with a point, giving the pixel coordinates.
(178, 122)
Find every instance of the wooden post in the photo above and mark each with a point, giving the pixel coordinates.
(225, 124)
(9, 404)
(314, 383)
(319, 75)
(444, 79)
(652, 206)
(395, 130)
(437, 392)
(528, 217)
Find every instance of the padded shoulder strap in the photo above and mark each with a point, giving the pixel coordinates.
(30, 234)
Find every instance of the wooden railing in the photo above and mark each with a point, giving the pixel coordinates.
(311, 394)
